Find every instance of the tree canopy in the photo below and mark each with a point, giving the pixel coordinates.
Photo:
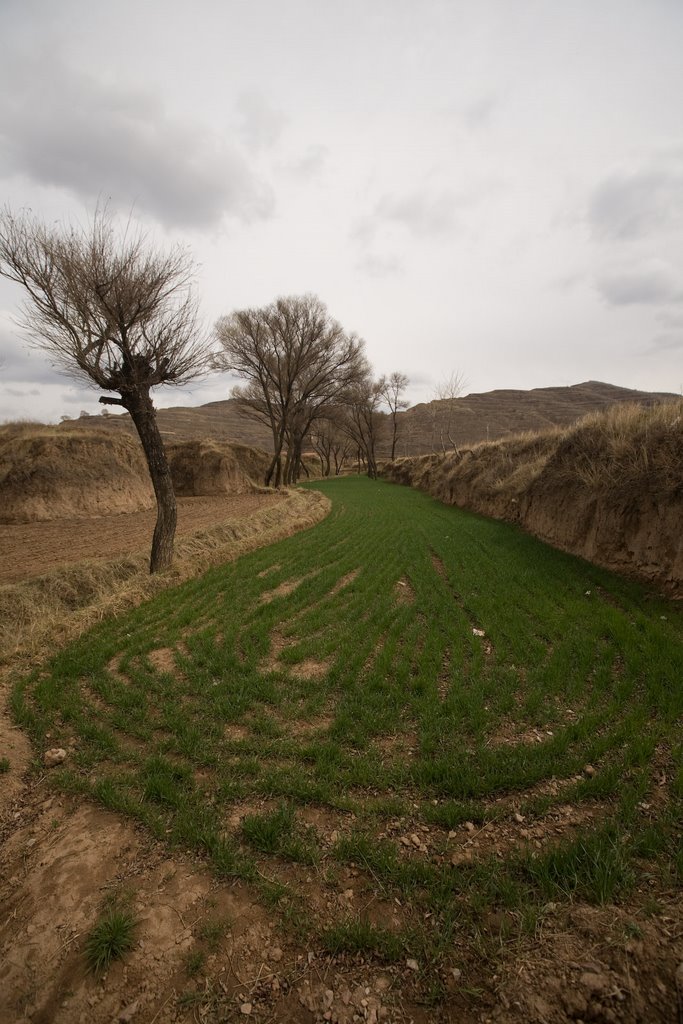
(295, 360)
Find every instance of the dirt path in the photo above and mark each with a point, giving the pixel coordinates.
(29, 549)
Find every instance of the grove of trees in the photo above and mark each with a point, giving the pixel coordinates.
(309, 382)
(107, 306)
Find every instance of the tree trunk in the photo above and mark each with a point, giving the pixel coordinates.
(142, 412)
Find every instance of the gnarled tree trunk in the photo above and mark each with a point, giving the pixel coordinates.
(142, 412)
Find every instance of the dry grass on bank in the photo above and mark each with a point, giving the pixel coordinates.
(629, 445)
(47, 611)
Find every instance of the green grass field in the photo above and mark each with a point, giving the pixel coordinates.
(465, 722)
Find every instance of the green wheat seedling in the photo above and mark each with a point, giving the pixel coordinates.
(402, 670)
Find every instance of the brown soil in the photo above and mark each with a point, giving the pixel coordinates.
(30, 549)
(62, 859)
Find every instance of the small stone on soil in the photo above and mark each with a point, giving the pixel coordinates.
(129, 1012)
(53, 757)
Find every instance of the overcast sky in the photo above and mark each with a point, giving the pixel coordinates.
(488, 186)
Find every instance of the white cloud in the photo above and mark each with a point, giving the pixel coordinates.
(261, 124)
(420, 214)
(480, 112)
(637, 202)
(653, 285)
(60, 128)
(667, 343)
(379, 266)
(309, 164)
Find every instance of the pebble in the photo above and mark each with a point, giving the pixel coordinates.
(246, 1008)
(54, 756)
(129, 1012)
(412, 965)
(589, 770)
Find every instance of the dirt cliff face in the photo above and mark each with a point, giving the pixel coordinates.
(48, 476)
(631, 534)
(610, 490)
(47, 473)
(215, 467)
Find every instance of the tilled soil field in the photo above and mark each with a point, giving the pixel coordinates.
(29, 549)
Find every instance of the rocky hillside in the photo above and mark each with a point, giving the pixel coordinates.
(424, 428)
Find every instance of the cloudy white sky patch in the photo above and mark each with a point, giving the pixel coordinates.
(96, 139)
(494, 188)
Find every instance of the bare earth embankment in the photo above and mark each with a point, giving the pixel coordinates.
(609, 489)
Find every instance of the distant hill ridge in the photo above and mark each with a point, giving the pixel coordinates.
(423, 428)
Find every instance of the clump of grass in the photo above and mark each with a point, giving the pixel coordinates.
(111, 937)
(360, 936)
(277, 832)
(595, 867)
(194, 961)
(4, 765)
(212, 932)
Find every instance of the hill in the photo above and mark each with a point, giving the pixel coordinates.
(424, 428)
(494, 415)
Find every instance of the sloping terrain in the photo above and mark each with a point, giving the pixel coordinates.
(49, 474)
(498, 414)
(221, 421)
(423, 428)
(209, 467)
(609, 489)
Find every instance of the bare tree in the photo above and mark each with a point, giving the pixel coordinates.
(392, 388)
(295, 360)
(109, 308)
(446, 393)
(330, 442)
(364, 421)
